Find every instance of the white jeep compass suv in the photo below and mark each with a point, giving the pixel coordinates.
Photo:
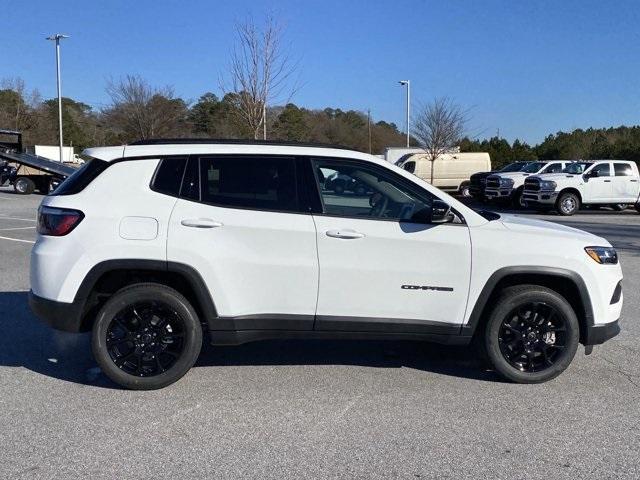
(151, 244)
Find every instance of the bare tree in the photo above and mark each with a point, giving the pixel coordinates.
(259, 72)
(140, 111)
(439, 126)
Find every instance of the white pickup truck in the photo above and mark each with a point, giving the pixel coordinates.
(508, 187)
(599, 182)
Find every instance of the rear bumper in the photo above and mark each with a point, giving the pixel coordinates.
(59, 315)
(598, 334)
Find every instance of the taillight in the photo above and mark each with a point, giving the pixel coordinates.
(57, 222)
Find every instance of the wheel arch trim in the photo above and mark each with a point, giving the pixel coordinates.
(191, 275)
(504, 273)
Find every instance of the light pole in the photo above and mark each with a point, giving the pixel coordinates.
(57, 37)
(408, 84)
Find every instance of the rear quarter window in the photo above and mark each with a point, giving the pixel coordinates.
(168, 176)
(82, 177)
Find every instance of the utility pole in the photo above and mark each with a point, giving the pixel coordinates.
(369, 126)
(57, 37)
(264, 121)
(408, 84)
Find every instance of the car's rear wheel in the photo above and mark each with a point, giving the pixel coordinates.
(532, 334)
(24, 186)
(146, 336)
(568, 204)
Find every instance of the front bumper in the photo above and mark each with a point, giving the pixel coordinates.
(540, 197)
(600, 333)
(59, 315)
(492, 193)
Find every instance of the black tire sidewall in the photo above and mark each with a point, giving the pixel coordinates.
(508, 303)
(29, 186)
(124, 298)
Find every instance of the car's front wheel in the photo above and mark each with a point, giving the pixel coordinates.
(146, 336)
(568, 204)
(532, 334)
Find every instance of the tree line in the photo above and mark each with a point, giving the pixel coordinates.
(587, 144)
(140, 111)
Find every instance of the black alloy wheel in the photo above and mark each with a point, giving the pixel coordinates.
(531, 334)
(146, 338)
(532, 337)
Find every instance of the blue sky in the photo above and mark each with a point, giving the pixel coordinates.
(527, 68)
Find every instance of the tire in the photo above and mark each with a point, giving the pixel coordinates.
(465, 192)
(136, 353)
(24, 186)
(516, 200)
(544, 355)
(568, 204)
(619, 207)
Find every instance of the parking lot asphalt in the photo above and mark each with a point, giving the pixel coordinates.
(306, 409)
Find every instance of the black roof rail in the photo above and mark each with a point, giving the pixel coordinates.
(233, 141)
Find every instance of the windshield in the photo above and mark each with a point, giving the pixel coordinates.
(577, 168)
(533, 167)
(514, 167)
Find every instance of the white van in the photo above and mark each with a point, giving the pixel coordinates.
(451, 171)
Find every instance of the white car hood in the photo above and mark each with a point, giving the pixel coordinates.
(529, 225)
(554, 176)
(510, 175)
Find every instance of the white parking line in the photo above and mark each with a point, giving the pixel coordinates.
(15, 228)
(17, 240)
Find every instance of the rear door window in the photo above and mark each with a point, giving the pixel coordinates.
(253, 182)
(623, 170)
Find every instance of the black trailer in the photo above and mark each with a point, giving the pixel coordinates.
(25, 171)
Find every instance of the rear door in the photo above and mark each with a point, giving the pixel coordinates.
(625, 183)
(240, 223)
(379, 270)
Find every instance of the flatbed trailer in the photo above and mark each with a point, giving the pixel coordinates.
(28, 172)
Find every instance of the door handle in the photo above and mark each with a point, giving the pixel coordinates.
(347, 233)
(200, 223)
(633, 181)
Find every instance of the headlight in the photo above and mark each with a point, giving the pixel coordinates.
(548, 185)
(602, 254)
(506, 182)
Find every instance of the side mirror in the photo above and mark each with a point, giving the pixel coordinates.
(440, 212)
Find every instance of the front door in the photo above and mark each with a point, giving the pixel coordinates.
(240, 226)
(381, 270)
(598, 189)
